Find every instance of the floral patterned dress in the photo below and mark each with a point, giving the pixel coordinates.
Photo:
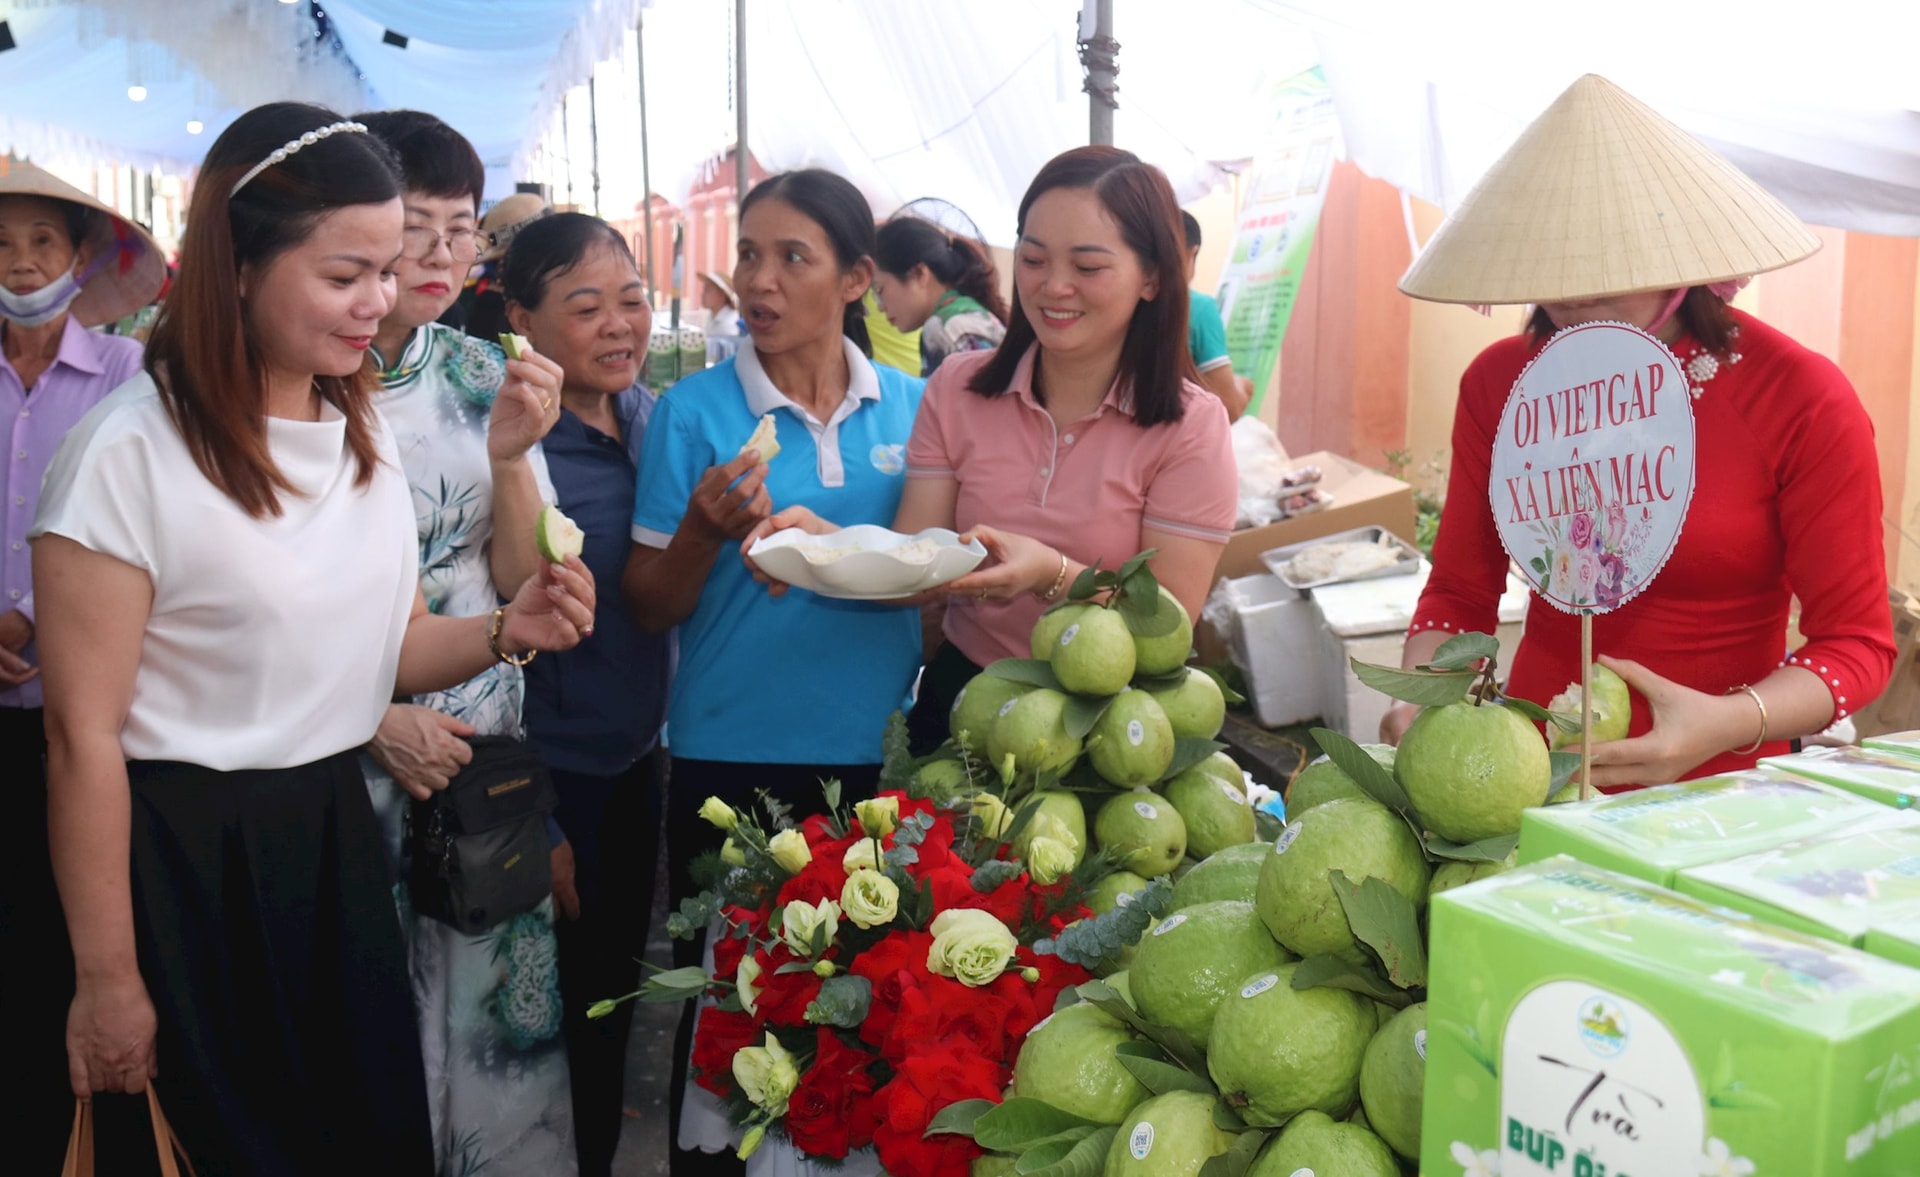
(488, 1004)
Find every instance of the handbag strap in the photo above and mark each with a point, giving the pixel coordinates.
(80, 1154)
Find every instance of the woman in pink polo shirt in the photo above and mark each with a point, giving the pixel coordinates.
(1084, 438)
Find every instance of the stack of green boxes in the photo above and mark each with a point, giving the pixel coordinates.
(1587, 1019)
(1886, 777)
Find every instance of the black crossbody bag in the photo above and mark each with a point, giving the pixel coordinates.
(479, 846)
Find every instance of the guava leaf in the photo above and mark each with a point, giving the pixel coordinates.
(1366, 772)
(1086, 1159)
(1160, 682)
(1178, 1046)
(1187, 752)
(1236, 1160)
(1226, 1119)
(958, 1118)
(1465, 652)
(1494, 849)
(1331, 972)
(1137, 563)
(1161, 1077)
(1530, 709)
(1384, 920)
(1082, 712)
(1089, 942)
(1042, 1154)
(1031, 671)
(842, 1002)
(1427, 688)
(1566, 723)
(1234, 698)
(1565, 765)
(1085, 585)
(1019, 1124)
(1140, 609)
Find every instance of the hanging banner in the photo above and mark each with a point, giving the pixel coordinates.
(1274, 232)
(1593, 466)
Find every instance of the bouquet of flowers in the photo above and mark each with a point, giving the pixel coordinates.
(875, 965)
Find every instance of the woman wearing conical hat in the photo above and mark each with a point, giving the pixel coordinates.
(1604, 211)
(67, 263)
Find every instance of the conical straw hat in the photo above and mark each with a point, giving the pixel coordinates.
(1602, 196)
(133, 271)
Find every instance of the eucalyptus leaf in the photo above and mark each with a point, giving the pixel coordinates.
(1465, 651)
(1237, 1160)
(958, 1118)
(843, 1001)
(1086, 1159)
(1494, 849)
(1427, 688)
(1030, 671)
(1366, 772)
(1331, 972)
(1187, 752)
(1162, 1077)
(1384, 920)
(1020, 1123)
(1082, 712)
(1089, 942)
(989, 875)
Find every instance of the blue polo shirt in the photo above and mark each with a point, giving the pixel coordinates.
(597, 708)
(1206, 332)
(800, 679)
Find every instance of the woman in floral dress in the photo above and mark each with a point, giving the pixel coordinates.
(467, 422)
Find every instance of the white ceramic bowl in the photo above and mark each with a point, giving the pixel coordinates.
(866, 563)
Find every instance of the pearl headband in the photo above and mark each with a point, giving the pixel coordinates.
(292, 146)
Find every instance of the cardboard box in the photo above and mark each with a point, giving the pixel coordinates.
(1898, 707)
(1362, 497)
(1838, 889)
(1582, 1022)
(1886, 777)
(1653, 834)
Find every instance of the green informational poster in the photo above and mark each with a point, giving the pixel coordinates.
(1274, 232)
(1581, 1023)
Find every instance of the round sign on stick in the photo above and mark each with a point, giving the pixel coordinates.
(1593, 470)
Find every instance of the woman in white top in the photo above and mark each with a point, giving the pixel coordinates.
(226, 564)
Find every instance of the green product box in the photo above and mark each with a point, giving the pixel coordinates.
(1581, 1023)
(1897, 942)
(1837, 888)
(1905, 744)
(1886, 777)
(1653, 833)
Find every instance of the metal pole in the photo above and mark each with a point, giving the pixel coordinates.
(740, 100)
(593, 139)
(566, 145)
(646, 163)
(1098, 54)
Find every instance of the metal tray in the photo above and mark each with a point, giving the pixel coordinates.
(1409, 562)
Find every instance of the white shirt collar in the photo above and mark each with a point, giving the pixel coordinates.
(763, 398)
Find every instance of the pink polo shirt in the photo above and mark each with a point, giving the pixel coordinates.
(1087, 489)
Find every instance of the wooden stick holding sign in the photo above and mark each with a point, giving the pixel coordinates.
(1592, 475)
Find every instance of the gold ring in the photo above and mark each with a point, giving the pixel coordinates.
(546, 402)
(982, 595)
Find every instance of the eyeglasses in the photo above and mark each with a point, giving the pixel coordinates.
(418, 242)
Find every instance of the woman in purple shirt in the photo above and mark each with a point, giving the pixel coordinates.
(67, 263)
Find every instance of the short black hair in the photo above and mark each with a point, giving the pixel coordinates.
(549, 247)
(435, 159)
(1192, 226)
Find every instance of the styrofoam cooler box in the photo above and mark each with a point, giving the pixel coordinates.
(1273, 636)
(1367, 620)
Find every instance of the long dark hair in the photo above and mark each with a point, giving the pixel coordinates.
(435, 159)
(954, 262)
(1703, 314)
(203, 356)
(550, 246)
(1154, 358)
(842, 214)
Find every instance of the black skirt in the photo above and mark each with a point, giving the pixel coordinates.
(270, 944)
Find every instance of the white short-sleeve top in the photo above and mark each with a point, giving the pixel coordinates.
(272, 642)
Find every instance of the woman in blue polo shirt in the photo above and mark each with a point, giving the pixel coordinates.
(594, 712)
(775, 694)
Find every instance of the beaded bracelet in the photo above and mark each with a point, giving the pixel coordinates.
(493, 641)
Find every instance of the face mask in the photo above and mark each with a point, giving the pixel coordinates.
(36, 308)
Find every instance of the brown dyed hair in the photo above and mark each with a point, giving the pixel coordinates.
(1703, 315)
(203, 355)
(1154, 358)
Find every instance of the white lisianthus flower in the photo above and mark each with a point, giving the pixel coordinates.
(870, 899)
(718, 814)
(800, 921)
(789, 849)
(1048, 859)
(859, 857)
(743, 982)
(971, 946)
(766, 1075)
(878, 817)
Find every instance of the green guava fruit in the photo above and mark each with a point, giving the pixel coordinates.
(1047, 630)
(1278, 1051)
(977, 708)
(1365, 840)
(1131, 743)
(1094, 654)
(1470, 771)
(1392, 1077)
(1314, 1145)
(1612, 708)
(1231, 873)
(1170, 1135)
(1323, 780)
(1068, 1061)
(1217, 814)
(1033, 730)
(1144, 830)
(1169, 651)
(1190, 962)
(1196, 707)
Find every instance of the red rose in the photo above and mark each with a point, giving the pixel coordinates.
(823, 878)
(818, 832)
(729, 947)
(946, 1011)
(895, 965)
(1055, 975)
(784, 997)
(720, 1036)
(927, 1082)
(831, 1112)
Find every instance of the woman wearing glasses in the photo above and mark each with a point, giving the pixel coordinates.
(468, 423)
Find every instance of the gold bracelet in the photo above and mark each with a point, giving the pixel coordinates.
(493, 641)
(1762, 705)
(1059, 581)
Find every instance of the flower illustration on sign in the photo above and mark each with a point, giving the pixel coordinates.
(1482, 1164)
(1719, 1161)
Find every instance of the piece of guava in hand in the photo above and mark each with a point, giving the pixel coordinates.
(516, 346)
(557, 536)
(764, 439)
